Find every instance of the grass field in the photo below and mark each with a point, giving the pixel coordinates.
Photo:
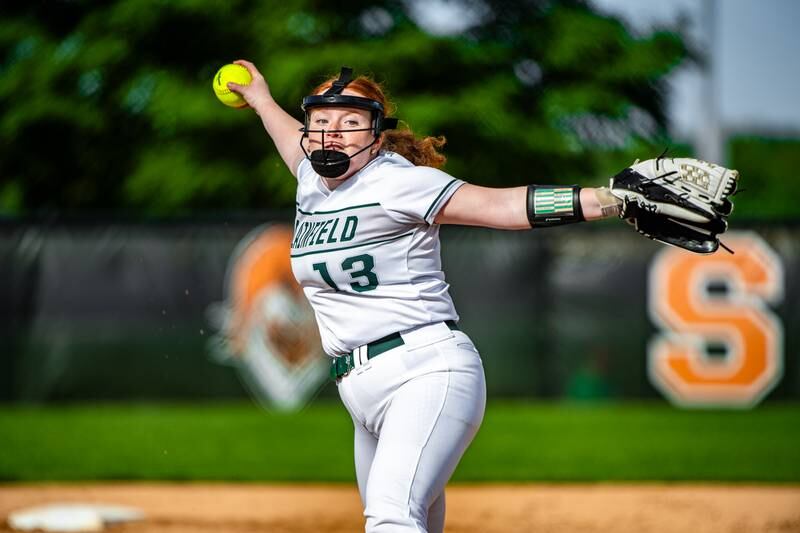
(518, 442)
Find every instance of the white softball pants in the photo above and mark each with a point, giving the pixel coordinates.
(415, 409)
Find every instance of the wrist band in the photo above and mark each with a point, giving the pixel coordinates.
(554, 205)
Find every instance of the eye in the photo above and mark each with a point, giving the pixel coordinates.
(351, 122)
(321, 121)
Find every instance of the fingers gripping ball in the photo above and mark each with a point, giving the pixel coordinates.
(231, 73)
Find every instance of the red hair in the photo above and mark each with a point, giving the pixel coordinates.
(420, 151)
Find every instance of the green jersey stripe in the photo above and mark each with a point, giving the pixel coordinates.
(443, 191)
(353, 246)
(337, 210)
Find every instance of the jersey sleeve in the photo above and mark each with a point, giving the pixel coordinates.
(417, 194)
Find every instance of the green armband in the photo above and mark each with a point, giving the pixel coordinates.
(554, 205)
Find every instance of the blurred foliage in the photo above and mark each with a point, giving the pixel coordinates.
(767, 177)
(108, 105)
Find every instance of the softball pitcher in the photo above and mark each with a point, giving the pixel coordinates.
(370, 200)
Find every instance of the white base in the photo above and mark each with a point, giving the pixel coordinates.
(65, 517)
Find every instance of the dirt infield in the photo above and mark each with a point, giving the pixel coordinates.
(615, 508)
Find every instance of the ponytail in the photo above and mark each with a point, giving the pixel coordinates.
(420, 151)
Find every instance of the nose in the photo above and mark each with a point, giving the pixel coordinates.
(335, 124)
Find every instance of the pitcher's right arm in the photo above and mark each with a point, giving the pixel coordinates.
(283, 128)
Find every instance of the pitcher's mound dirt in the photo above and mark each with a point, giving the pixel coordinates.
(193, 508)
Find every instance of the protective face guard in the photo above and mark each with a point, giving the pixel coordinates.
(333, 163)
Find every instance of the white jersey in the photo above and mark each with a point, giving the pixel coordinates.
(367, 253)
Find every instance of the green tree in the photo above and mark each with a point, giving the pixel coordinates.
(767, 168)
(109, 105)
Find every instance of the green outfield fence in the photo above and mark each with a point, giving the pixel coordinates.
(107, 309)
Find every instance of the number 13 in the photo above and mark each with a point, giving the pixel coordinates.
(367, 264)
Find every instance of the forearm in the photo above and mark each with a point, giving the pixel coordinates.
(552, 205)
(556, 205)
(284, 130)
(472, 205)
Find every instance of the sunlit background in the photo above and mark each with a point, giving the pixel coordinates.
(144, 286)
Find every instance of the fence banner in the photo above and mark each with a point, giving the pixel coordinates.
(266, 326)
(719, 343)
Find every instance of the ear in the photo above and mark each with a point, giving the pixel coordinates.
(375, 148)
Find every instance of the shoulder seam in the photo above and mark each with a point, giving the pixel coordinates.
(441, 193)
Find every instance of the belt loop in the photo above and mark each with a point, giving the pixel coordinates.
(359, 356)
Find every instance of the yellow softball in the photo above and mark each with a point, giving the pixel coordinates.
(236, 74)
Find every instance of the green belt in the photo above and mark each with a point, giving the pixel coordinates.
(340, 366)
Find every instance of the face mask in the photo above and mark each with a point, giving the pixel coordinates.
(333, 163)
(329, 163)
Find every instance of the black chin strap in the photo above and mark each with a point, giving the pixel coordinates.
(345, 77)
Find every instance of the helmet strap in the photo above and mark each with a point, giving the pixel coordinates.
(345, 77)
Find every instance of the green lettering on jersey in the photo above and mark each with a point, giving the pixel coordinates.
(360, 245)
(323, 230)
(331, 238)
(349, 229)
(367, 264)
(299, 232)
(310, 237)
(322, 268)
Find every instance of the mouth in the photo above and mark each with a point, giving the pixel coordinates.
(334, 146)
